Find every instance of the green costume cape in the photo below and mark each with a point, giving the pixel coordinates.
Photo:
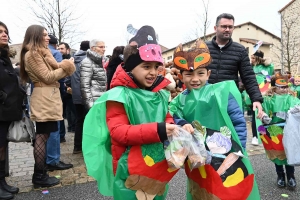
(271, 135)
(208, 105)
(141, 107)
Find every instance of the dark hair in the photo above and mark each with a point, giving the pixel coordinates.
(258, 60)
(116, 52)
(181, 71)
(66, 45)
(224, 15)
(2, 24)
(33, 41)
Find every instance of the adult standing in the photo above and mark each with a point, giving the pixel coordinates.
(69, 108)
(230, 59)
(53, 144)
(77, 98)
(11, 99)
(38, 65)
(92, 73)
(114, 61)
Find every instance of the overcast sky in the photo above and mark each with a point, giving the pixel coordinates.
(172, 20)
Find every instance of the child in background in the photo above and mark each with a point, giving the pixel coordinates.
(125, 129)
(218, 108)
(274, 122)
(263, 69)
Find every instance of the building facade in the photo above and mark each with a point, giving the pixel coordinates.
(290, 34)
(247, 34)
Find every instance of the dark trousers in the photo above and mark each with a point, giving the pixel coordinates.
(253, 125)
(80, 115)
(290, 170)
(70, 114)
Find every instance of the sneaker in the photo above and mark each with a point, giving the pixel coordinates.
(254, 141)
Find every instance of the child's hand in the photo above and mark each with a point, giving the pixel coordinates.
(170, 129)
(189, 128)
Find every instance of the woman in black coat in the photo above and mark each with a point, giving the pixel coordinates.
(115, 60)
(11, 99)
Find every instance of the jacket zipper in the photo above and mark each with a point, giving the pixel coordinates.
(218, 66)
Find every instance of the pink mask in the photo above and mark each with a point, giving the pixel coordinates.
(151, 52)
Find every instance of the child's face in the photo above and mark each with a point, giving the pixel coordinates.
(281, 90)
(146, 73)
(195, 79)
(296, 81)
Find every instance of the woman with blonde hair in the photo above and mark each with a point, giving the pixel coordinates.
(38, 65)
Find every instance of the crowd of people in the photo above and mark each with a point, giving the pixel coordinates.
(124, 107)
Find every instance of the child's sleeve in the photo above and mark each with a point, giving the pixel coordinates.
(236, 115)
(179, 121)
(126, 134)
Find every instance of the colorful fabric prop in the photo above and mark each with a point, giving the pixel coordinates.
(227, 173)
(141, 168)
(291, 136)
(256, 47)
(193, 58)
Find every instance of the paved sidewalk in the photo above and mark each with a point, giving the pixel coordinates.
(21, 163)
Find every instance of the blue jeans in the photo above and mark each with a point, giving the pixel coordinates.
(53, 147)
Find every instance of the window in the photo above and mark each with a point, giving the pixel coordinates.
(247, 48)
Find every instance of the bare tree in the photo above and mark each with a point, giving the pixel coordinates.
(287, 51)
(202, 23)
(59, 18)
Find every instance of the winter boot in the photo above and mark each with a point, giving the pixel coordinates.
(291, 181)
(40, 179)
(4, 194)
(281, 180)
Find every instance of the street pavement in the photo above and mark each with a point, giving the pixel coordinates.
(76, 184)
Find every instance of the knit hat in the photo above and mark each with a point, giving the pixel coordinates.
(142, 47)
(85, 45)
(192, 59)
(53, 39)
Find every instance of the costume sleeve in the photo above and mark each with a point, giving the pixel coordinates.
(248, 78)
(236, 115)
(126, 134)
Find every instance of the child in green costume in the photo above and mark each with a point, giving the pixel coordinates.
(125, 129)
(227, 173)
(277, 102)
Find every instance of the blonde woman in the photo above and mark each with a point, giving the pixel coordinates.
(38, 65)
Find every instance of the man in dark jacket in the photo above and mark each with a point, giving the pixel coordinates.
(230, 59)
(77, 99)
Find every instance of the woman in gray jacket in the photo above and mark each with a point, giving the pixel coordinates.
(92, 73)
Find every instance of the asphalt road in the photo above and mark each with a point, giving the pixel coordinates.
(264, 170)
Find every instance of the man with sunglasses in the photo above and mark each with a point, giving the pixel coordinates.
(230, 59)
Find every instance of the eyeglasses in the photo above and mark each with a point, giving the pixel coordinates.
(101, 47)
(225, 27)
